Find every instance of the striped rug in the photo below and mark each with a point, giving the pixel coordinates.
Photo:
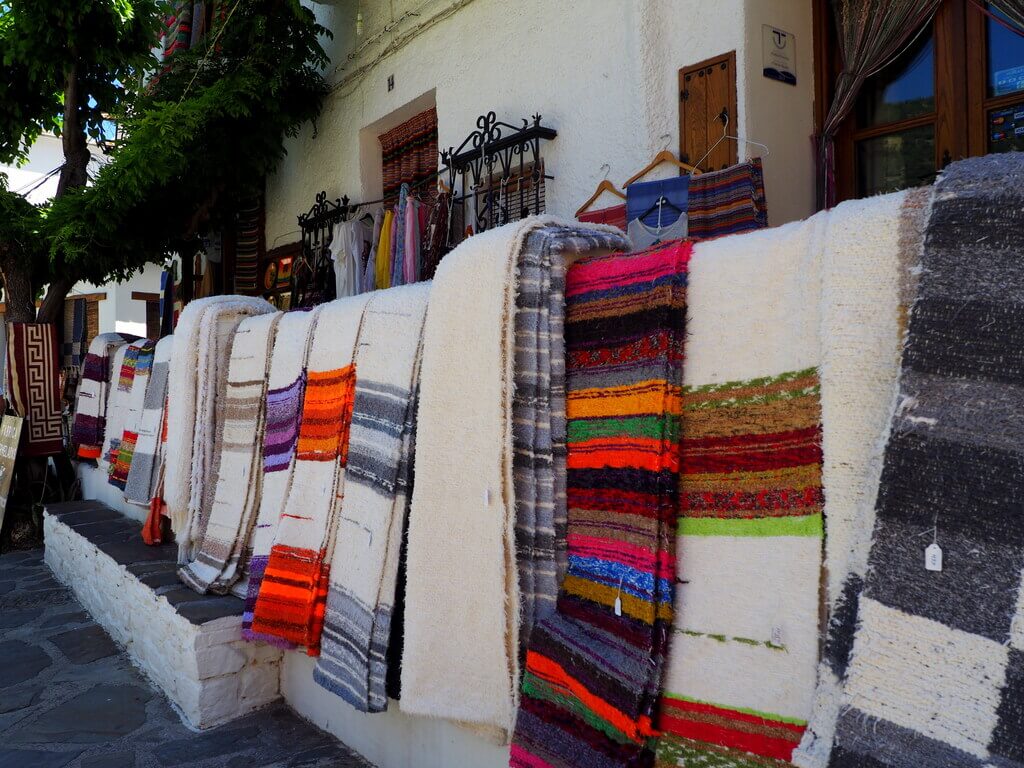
(33, 386)
(741, 672)
(593, 669)
(293, 594)
(90, 423)
(364, 569)
(239, 482)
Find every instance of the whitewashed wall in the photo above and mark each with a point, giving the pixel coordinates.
(604, 73)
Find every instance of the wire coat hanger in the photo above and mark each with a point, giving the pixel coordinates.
(724, 117)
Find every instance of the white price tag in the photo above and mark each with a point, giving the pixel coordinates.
(618, 606)
(487, 497)
(933, 557)
(777, 636)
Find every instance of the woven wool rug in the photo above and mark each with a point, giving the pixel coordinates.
(239, 479)
(592, 667)
(131, 390)
(196, 369)
(141, 482)
(364, 568)
(74, 343)
(293, 593)
(872, 247)
(744, 647)
(89, 428)
(936, 673)
(285, 386)
(33, 386)
(538, 412)
(116, 410)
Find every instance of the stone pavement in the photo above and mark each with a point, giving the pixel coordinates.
(70, 697)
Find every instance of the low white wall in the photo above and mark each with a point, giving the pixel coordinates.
(389, 739)
(95, 486)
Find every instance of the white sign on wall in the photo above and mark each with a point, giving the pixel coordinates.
(779, 55)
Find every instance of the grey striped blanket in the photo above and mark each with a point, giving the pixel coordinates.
(538, 411)
(143, 472)
(364, 568)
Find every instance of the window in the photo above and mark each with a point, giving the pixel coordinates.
(956, 90)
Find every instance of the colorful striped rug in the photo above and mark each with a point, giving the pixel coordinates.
(741, 672)
(90, 423)
(293, 594)
(364, 568)
(142, 477)
(285, 387)
(130, 398)
(593, 669)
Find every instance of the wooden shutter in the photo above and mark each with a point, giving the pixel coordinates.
(706, 90)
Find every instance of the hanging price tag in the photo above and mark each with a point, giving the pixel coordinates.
(933, 557)
(618, 606)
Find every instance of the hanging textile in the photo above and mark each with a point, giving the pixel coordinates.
(89, 429)
(197, 378)
(75, 344)
(140, 484)
(443, 227)
(870, 34)
(614, 215)
(409, 152)
(741, 673)
(249, 246)
(382, 264)
(461, 649)
(863, 320)
(538, 411)
(130, 395)
(364, 567)
(398, 235)
(121, 363)
(936, 671)
(217, 565)
(285, 386)
(293, 594)
(33, 386)
(168, 311)
(727, 202)
(593, 669)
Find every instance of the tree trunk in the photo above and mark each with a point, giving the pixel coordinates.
(53, 303)
(74, 172)
(19, 293)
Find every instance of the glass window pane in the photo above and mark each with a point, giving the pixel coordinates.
(905, 88)
(1006, 129)
(1005, 58)
(896, 161)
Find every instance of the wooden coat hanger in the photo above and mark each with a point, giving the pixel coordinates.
(662, 157)
(603, 186)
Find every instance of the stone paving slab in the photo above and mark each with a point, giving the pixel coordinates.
(70, 698)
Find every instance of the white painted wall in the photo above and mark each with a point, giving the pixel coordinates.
(604, 73)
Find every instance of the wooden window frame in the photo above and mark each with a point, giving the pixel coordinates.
(962, 103)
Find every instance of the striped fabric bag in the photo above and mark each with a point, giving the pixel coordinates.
(239, 481)
(293, 594)
(742, 669)
(594, 668)
(285, 386)
(142, 476)
(353, 661)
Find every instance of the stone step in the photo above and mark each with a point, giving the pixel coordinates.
(190, 645)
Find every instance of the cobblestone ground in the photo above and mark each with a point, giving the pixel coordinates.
(70, 697)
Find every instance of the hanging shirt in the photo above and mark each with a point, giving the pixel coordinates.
(411, 263)
(347, 245)
(369, 275)
(614, 215)
(644, 236)
(401, 214)
(382, 268)
(642, 197)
